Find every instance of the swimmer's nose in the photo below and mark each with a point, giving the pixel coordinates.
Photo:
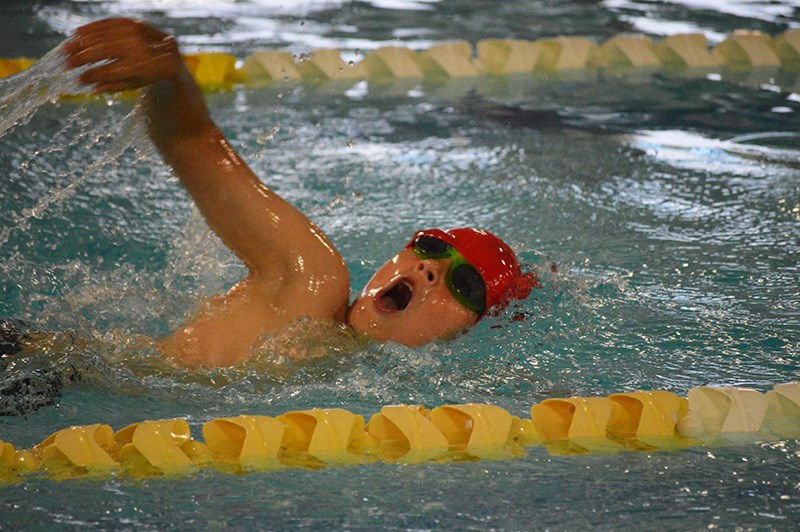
(433, 271)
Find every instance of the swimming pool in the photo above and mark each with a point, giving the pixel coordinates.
(670, 206)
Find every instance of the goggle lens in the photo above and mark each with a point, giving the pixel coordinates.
(463, 280)
(432, 248)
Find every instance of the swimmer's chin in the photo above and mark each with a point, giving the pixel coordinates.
(380, 330)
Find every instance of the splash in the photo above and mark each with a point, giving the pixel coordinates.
(44, 83)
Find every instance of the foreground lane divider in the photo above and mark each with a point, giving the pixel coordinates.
(575, 425)
(163, 447)
(9, 67)
(478, 432)
(244, 443)
(78, 451)
(323, 436)
(628, 51)
(410, 434)
(406, 434)
(783, 411)
(214, 70)
(743, 50)
(649, 420)
(688, 51)
(747, 49)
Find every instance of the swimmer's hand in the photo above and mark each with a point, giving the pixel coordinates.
(124, 54)
(133, 55)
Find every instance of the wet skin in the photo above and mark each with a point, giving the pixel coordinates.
(294, 270)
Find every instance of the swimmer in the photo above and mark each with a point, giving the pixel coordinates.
(439, 284)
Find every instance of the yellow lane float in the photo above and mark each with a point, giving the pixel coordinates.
(153, 448)
(327, 64)
(214, 70)
(688, 51)
(12, 66)
(575, 425)
(244, 443)
(410, 434)
(565, 54)
(392, 62)
(269, 65)
(501, 57)
(742, 50)
(748, 49)
(628, 51)
(787, 46)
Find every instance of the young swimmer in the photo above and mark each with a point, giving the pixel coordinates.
(441, 283)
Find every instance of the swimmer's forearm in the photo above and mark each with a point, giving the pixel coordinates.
(176, 111)
(263, 229)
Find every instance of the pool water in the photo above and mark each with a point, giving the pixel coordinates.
(662, 213)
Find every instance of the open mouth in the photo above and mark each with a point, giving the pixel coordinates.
(396, 298)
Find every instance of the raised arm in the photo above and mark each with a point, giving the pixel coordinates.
(275, 240)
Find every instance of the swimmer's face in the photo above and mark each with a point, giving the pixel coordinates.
(408, 301)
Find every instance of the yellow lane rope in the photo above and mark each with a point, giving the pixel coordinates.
(741, 51)
(633, 421)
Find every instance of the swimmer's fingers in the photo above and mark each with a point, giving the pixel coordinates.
(102, 40)
(128, 73)
(88, 48)
(105, 27)
(136, 54)
(117, 86)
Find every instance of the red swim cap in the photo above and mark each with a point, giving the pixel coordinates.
(495, 261)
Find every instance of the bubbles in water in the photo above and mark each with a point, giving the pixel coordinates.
(267, 137)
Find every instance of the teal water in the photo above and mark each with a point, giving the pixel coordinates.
(670, 207)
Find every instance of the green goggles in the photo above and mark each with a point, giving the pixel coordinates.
(463, 280)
